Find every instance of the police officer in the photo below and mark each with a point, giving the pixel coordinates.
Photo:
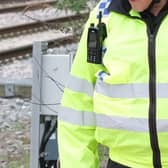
(121, 102)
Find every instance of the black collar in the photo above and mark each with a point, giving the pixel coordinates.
(154, 21)
(123, 7)
(120, 6)
(146, 13)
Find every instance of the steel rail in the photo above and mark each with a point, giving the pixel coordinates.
(34, 5)
(27, 49)
(46, 24)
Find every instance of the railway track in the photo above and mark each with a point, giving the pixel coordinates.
(27, 5)
(12, 37)
(27, 49)
(27, 28)
(15, 41)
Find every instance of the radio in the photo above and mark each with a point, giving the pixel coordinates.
(96, 36)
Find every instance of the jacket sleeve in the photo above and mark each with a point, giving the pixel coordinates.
(76, 123)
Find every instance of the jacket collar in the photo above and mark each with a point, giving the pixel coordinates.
(123, 7)
(120, 6)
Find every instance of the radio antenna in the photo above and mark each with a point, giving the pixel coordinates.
(100, 17)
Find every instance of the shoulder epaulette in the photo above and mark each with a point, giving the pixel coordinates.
(103, 7)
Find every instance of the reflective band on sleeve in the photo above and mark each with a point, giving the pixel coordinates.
(129, 124)
(80, 85)
(135, 90)
(81, 118)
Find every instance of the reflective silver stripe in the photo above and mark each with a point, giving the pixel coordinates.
(80, 85)
(129, 90)
(162, 90)
(129, 124)
(81, 118)
(111, 122)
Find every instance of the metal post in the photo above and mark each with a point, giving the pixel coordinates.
(50, 73)
(38, 49)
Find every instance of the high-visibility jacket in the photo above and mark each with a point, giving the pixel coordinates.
(122, 103)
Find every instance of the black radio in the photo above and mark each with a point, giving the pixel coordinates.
(96, 36)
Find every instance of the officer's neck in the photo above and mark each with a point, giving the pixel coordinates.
(158, 7)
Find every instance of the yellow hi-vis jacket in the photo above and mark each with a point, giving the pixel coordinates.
(122, 103)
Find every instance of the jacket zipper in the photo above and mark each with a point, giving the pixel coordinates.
(152, 102)
(152, 94)
(152, 118)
